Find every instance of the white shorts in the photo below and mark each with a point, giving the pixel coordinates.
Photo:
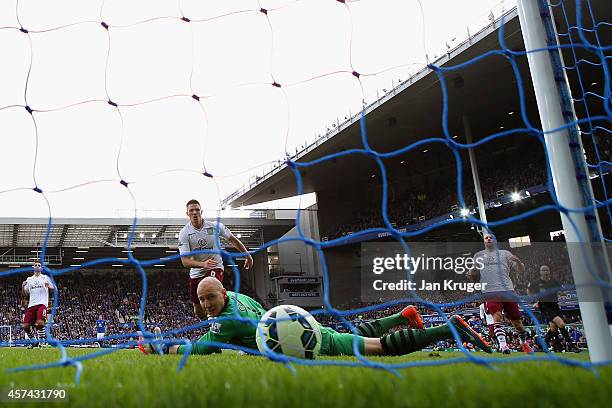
(100, 335)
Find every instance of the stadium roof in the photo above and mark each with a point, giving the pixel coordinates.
(485, 91)
(75, 241)
(149, 232)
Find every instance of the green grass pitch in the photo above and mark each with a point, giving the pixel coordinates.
(127, 378)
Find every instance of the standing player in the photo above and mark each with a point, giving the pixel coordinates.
(201, 234)
(37, 287)
(23, 306)
(100, 328)
(497, 265)
(549, 306)
(220, 303)
(488, 319)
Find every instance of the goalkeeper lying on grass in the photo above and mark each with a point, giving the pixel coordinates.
(372, 340)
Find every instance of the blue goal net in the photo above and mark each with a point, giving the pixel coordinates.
(578, 46)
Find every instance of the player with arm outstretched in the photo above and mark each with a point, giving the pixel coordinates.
(497, 267)
(37, 287)
(549, 306)
(200, 234)
(219, 303)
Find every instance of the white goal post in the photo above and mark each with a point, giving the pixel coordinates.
(582, 231)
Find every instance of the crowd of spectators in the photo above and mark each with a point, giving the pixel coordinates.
(115, 297)
(604, 147)
(553, 254)
(111, 296)
(408, 205)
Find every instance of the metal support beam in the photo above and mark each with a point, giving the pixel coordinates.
(477, 188)
(63, 236)
(15, 234)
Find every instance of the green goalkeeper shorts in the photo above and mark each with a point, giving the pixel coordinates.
(337, 344)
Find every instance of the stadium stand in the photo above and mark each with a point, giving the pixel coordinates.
(115, 296)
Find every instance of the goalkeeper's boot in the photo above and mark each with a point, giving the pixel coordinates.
(468, 334)
(155, 347)
(414, 318)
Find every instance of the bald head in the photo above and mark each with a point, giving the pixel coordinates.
(211, 294)
(209, 283)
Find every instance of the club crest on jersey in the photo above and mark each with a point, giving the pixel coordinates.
(215, 327)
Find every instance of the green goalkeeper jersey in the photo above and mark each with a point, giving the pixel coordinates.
(233, 331)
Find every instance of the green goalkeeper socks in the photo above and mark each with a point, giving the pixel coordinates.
(378, 327)
(198, 349)
(408, 340)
